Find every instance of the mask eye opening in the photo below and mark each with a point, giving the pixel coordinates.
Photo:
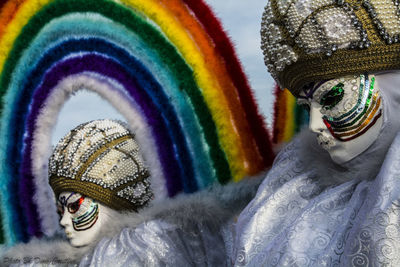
(331, 98)
(74, 206)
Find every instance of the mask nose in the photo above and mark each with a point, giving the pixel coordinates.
(65, 219)
(316, 123)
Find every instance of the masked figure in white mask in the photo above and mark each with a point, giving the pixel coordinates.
(96, 173)
(332, 197)
(104, 201)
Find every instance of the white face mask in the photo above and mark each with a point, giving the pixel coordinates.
(345, 113)
(82, 217)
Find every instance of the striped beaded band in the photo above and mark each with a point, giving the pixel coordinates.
(362, 117)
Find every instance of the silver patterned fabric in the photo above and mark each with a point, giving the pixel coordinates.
(159, 243)
(293, 221)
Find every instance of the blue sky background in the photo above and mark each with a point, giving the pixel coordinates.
(241, 19)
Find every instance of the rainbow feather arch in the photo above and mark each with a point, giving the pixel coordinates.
(167, 66)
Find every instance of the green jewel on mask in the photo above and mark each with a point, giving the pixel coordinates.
(332, 97)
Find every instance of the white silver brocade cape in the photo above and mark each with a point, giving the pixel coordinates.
(159, 243)
(295, 220)
(307, 212)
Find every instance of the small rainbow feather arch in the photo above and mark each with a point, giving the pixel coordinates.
(289, 118)
(166, 65)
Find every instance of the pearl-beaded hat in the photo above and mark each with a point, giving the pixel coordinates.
(305, 41)
(101, 159)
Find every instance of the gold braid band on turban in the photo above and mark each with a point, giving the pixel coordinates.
(305, 41)
(100, 159)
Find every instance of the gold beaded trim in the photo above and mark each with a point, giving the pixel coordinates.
(104, 195)
(311, 68)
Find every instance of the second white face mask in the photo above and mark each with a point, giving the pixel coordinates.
(82, 217)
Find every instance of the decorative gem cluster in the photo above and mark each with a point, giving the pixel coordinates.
(385, 15)
(350, 96)
(138, 194)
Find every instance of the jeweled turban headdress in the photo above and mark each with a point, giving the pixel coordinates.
(312, 40)
(101, 159)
